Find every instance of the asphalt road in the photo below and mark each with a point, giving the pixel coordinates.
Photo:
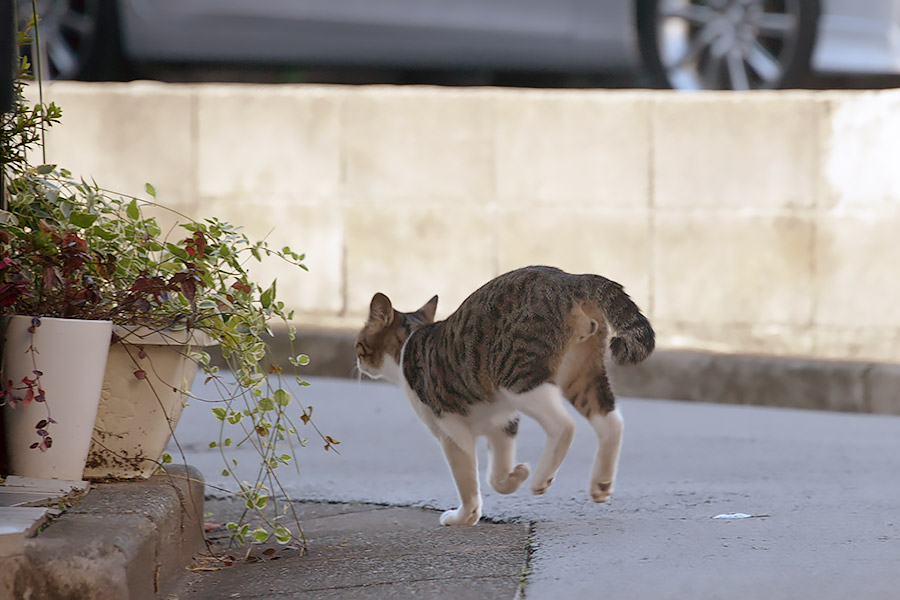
(822, 491)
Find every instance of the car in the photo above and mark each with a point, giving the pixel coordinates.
(681, 44)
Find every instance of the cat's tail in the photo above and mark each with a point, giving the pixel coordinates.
(634, 339)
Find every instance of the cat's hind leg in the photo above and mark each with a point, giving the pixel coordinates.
(505, 478)
(463, 463)
(592, 396)
(608, 427)
(545, 405)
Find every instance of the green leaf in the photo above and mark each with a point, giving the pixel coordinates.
(132, 210)
(262, 502)
(83, 220)
(303, 360)
(150, 189)
(105, 233)
(282, 534)
(266, 404)
(267, 296)
(220, 413)
(7, 218)
(45, 169)
(281, 397)
(212, 445)
(225, 472)
(166, 458)
(260, 535)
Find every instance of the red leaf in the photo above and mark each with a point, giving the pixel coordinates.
(189, 288)
(200, 242)
(140, 374)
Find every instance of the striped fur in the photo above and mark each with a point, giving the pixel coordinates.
(522, 329)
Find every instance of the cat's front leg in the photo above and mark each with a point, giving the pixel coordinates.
(545, 405)
(506, 478)
(464, 466)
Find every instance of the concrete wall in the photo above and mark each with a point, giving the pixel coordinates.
(742, 223)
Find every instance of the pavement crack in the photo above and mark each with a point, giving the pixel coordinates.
(527, 568)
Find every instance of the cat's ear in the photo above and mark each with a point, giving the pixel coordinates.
(380, 309)
(427, 311)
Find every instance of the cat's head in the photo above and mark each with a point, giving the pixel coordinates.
(379, 343)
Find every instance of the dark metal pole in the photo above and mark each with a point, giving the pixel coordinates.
(8, 54)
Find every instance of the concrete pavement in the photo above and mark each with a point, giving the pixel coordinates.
(366, 551)
(822, 490)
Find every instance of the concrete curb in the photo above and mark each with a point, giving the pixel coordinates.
(122, 541)
(684, 375)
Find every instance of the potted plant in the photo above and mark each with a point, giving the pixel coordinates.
(55, 330)
(54, 352)
(189, 284)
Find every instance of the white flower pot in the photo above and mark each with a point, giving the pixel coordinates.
(70, 355)
(138, 413)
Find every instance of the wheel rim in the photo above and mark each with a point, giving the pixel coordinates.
(727, 44)
(67, 32)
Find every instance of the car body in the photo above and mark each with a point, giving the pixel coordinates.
(570, 36)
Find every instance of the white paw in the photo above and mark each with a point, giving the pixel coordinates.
(520, 473)
(539, 486)
(461, 517)
(513, 481)
(601, 491)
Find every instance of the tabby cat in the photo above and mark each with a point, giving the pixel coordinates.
(523, 342)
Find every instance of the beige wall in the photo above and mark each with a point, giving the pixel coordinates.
(751, 223)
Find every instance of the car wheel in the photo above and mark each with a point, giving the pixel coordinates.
(78, 39)
(727, 44)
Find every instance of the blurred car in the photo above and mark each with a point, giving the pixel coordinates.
(683, 44)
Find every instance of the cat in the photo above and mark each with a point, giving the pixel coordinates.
(525, 342)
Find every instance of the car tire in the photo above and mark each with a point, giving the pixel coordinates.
(727, 44)
(79, 39)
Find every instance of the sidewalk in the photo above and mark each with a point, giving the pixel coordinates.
(143, 541)
(366, 551)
